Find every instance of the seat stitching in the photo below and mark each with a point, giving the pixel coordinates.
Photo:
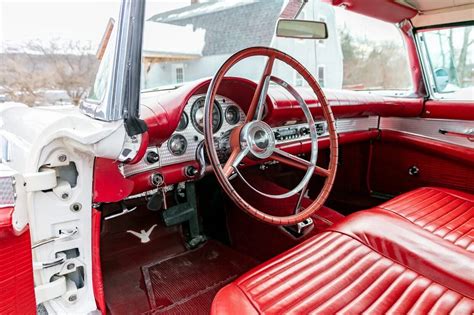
(453, 194)
(449, 212)
(310, 244)
(423, 201)
(402, 199)
(254, 303)
(333, 278)
(298, 257)
(444, 290)
(308, 268)
(458, 299)
(419, 200)
(398, 262)
(452, 229)
(369, 286)
(439, 208)
(411, 297)
(306, 265)
(392, 286)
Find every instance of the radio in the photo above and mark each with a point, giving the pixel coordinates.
(298, 131)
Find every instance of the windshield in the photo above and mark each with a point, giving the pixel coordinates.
(191, 42)
(449, 60)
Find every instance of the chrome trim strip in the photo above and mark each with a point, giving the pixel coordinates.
(166, 158)
(429, 128)
(342, 125)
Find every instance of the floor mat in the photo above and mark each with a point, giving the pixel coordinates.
(123, 256)
(187, 283)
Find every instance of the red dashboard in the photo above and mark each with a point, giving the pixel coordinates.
(357, 118)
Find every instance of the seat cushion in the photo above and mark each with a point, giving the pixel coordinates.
(375, 261)
(446, 213)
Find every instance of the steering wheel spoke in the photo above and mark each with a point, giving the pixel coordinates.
(297, 162)
(256, 108)
(234, 160)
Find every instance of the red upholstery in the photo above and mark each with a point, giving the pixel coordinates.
(444, 212)
(375, 261)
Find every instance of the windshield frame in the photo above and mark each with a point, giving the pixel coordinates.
(426, 64)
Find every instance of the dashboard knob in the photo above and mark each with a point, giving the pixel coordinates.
(190, 171)
(152, 157)
(304, 131)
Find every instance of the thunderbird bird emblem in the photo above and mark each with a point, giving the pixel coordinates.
(144, 236)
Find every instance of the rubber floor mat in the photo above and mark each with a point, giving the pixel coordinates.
(187, 283)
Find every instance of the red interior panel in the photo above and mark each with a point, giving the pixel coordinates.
(385, 10)
(463, 110)
(440, 164)
(17, 295)
(109, 184)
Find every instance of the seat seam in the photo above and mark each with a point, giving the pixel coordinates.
(253, 303)
(452, 194)
(400, 263)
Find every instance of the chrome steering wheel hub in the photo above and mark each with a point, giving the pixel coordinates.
(257, 136)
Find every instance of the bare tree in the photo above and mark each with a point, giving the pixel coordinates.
(74, 66)
(28, 71)
(369, 66)
(462, 60)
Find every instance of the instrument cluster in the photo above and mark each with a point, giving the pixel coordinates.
(183, 144)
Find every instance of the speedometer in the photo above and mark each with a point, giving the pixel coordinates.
(197, 115)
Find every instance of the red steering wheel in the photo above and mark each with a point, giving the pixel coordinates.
(255, 138)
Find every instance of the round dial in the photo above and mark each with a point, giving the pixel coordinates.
(197, 115)
(232, 115)
(177, 144)
(183, 122)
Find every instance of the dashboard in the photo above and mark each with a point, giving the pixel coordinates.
(174, 118)
(188, 137)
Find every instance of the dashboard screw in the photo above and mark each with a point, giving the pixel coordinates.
(70, 266)
(65, 195)
(62, 158)
(76, 207)
(72, 298)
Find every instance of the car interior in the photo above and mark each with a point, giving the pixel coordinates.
(253, 197)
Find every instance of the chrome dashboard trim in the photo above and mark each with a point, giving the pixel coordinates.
(342, 125)
(166, 158)
(429, 128)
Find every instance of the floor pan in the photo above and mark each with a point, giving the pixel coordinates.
(187, 283)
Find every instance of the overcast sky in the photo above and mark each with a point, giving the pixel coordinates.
(85, 20)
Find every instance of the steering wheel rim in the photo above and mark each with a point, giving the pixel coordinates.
(240, 141)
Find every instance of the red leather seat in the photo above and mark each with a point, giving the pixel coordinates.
(444, 212)
(375, 261)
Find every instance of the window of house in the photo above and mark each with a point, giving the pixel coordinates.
(298, 81)
(179, 74)
(448, 61)
(321, 76)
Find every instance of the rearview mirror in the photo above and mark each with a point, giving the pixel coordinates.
(302, 29)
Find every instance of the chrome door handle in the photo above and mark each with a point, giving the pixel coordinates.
(469, 135)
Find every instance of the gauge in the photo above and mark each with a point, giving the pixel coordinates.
(177, 144)
(183, 122)
(232, 115)
(197, 115)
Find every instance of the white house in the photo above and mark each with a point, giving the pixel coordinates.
(230, 26)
